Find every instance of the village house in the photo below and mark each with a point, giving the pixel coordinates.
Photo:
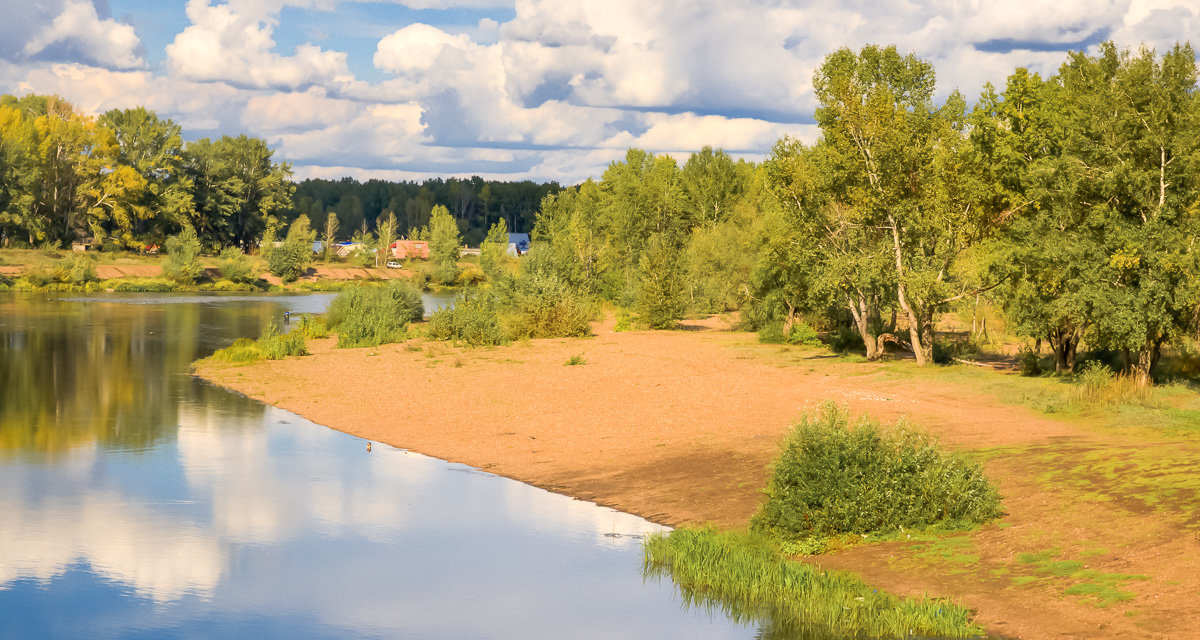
(518, 244)
(404, 249)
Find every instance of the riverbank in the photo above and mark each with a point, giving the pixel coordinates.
(1099, 539)
(28, 270)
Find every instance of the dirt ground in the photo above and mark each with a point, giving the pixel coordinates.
(680, 427)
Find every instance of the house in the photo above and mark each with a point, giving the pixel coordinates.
(410, 249)
(347, 249)
(518, 244)
(318, 246)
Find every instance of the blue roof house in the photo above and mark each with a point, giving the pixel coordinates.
(518, 244)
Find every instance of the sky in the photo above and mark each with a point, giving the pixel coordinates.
(522, 89)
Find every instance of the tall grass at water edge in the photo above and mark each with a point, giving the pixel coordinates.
(744, 575)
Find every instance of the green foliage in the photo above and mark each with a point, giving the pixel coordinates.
(235, 266)
(312, 327)
(76, 269)
(368, 316)
(744, 575)
(575, 360)
(799, 334)
(182, 262)
(540, 305)
(493, 254)
(271, 345)
(292, 259)
(835, 477)
(474, 319)
(147, 285)
(444, 243)
(662, 300)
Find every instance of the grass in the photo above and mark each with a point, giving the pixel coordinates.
(574, 360)
(1093, 587)
(744, 575)
(272, 345)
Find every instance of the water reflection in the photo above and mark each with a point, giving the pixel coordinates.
(136, 501)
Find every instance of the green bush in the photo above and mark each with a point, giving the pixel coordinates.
(182, 262)
(474, 319)
(272, 345)
(312, 327)
(541, 305)
(834, 477)
(235, 266)
(1031, 361)
(368, 316)
(801, 333)
(76, 269)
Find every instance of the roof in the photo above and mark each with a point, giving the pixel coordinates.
(518, 238)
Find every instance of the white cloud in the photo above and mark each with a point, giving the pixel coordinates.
(232, 43)
(554, 91)
(69, 31)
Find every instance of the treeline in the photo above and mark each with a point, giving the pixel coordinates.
(475, 203)
(127, 180)
(1071, 202)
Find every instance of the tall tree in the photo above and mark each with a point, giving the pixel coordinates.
(444, 243)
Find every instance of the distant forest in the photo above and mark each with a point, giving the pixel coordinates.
(475, 203)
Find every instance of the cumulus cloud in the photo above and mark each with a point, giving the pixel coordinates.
(69, 31)
(233, 43)
(558, 89)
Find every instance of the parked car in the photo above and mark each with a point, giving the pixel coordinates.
(394, 264)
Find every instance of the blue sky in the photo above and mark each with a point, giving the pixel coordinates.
(540, 89)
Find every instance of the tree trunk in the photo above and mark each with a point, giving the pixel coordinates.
(1147, 358)
(914, 325)
(862, 322)
(1065, 343)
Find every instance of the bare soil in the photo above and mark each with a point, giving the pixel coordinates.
(680, 427)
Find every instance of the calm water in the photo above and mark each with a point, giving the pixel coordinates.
(138, 502)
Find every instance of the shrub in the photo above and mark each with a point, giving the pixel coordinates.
(661, 295)
(291, 259)
(469, 277)
(833, 477)
(235, 266)
(182, 262)
(272, 345)
(1031, 361)
(624, 321)
(473, 319)
(541, 305)
(368, 316)
(312, 327)
(575, 360)
(801, 333)
(847, 339)
(76, 269)
(1096, 384)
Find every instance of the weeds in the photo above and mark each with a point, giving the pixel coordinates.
(272, 345)
(744, 574)
(576, 359)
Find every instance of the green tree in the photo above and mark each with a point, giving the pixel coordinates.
(182, 262)
(662, 299)
(385, 236)
(291, 259)
(494, 252)
(444, 243)
(329, 240)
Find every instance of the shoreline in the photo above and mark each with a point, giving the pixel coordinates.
(679, 427)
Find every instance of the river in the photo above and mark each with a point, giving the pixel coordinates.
(137, 501)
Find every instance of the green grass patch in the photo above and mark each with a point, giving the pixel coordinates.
(272, 345)
(744, 575)
(1093, 587)
(575, 360)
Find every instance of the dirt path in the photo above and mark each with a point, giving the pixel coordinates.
(680, 427)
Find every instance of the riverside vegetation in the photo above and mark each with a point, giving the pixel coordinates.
(835, 483)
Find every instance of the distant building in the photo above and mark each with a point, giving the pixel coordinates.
(318, 246)
(518, 244)
(410, 249)
(347, 249)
